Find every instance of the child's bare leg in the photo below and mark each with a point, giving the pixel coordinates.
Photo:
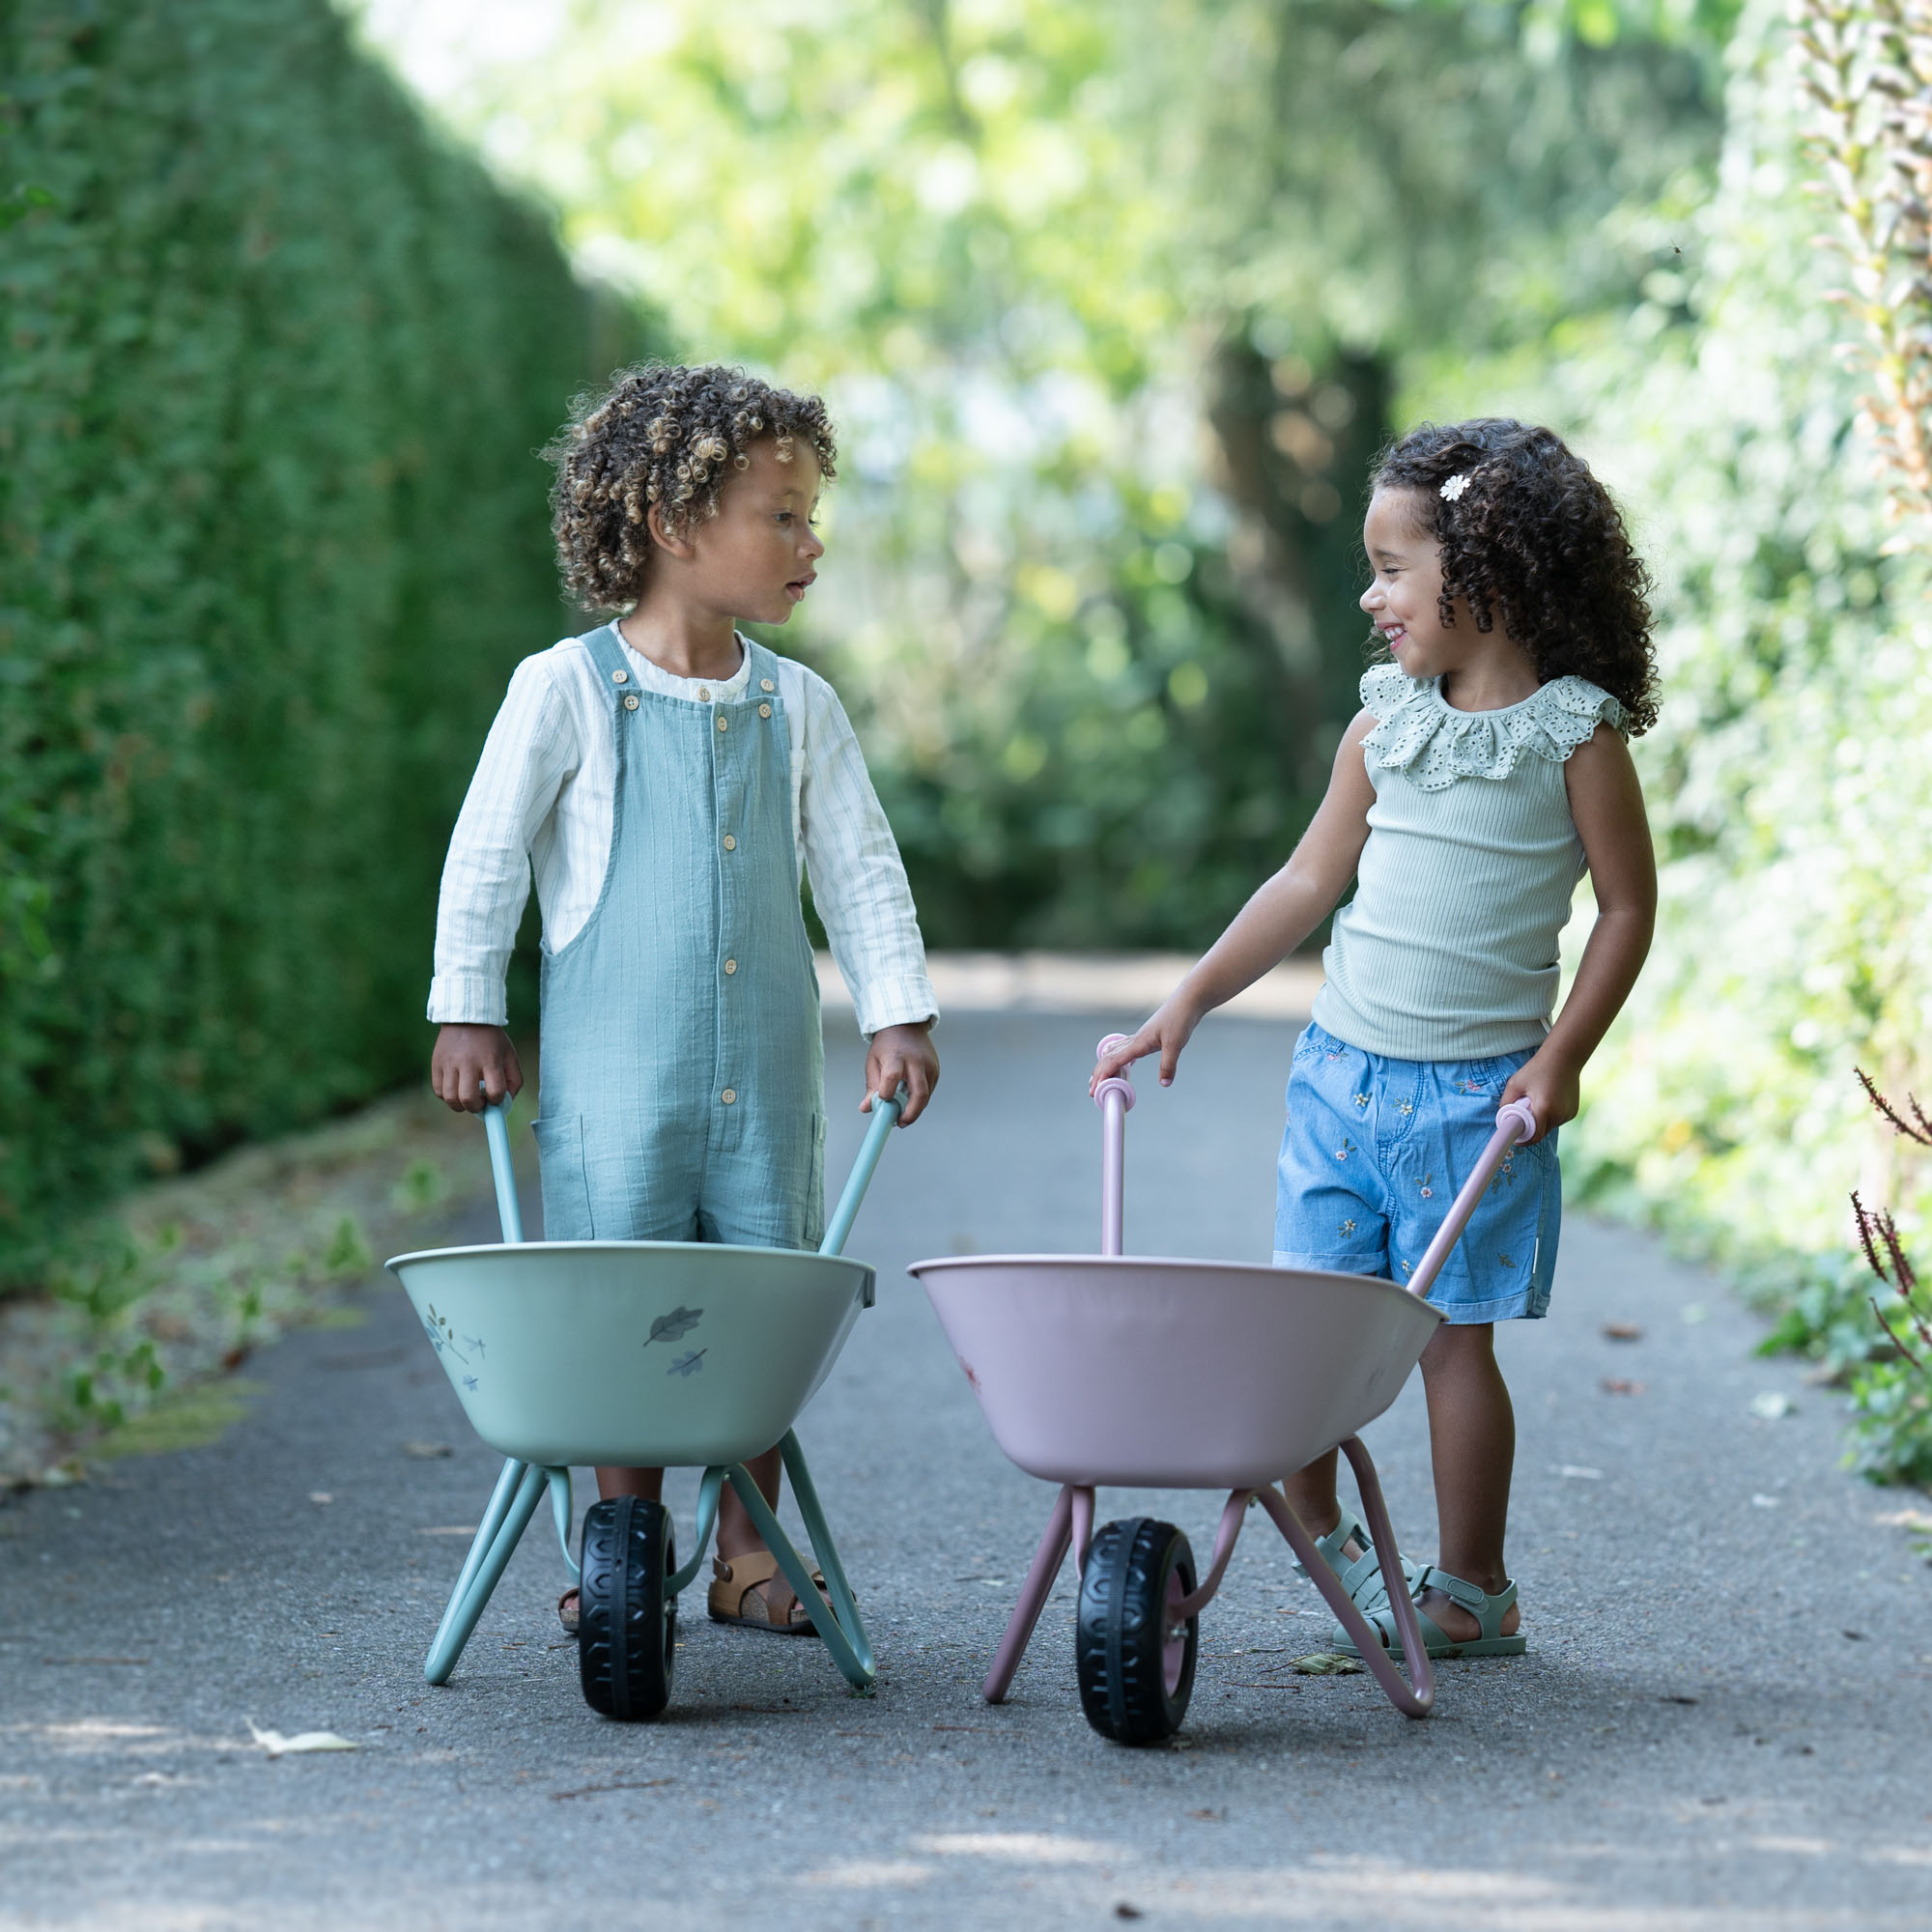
(736, 1536)
(1472, 1445)
(1311, 1494)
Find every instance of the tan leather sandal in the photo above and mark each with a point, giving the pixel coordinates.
(736, 1597)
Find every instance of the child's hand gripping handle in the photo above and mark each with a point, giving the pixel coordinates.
(1514, 1124)
(884, 1116)
(1115, 1098)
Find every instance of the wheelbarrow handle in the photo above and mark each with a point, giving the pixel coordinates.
(1514, 1124)
(509, 1211)
(884, 1116)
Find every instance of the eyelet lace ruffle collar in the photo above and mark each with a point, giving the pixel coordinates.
(1432, 745)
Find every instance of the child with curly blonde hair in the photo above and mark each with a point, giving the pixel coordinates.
(671, 783)
(1486, 772)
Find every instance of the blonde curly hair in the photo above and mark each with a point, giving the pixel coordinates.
(667, 436)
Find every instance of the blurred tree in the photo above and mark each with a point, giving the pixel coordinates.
(1113, 304)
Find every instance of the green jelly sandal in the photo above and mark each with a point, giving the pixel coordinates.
(1487, 1611)
(1361, 1576)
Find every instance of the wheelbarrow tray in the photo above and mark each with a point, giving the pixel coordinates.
(634, 1353)
(1138, 1371)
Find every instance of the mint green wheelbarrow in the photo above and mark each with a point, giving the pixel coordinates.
(640, 1354)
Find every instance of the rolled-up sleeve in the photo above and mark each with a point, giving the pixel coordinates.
(858, 879)
(530, 755)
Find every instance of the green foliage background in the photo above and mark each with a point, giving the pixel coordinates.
(271, 535)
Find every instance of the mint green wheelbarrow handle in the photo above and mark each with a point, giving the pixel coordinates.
(884, 1116)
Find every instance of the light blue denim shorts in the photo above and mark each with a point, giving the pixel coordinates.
(1371, 1159)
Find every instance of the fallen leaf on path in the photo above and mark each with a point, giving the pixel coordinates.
(277, 1746)
(1773, 1406)
(1328, 1663)
(1617, 1385)
(427, 1452)
(1622, 1332)
(1915, 1519)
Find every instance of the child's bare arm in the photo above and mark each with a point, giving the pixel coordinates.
(1275, 920)
(473, 1067)
(1607, 802)
(902, 1056)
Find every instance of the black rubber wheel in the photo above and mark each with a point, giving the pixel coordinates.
(1136, 1664)
(626, 1619)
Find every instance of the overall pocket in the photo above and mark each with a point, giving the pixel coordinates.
(566, 1194)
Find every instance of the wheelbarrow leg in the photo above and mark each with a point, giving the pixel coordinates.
(1415, 1698)
(1033, 1593)
(850, 1650)
(487, 1565)
(486, 1532)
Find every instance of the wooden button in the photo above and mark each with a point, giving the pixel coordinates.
(764, 711)
(765, 684)
(730, 965)
(621, 677)
(730, 843)
(729, 1094)
(630, 701)
(724, 723)
(705, 695)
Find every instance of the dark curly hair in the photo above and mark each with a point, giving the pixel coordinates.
(1534, 534)
(664, 435)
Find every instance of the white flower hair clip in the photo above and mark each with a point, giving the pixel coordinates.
(1452, 491)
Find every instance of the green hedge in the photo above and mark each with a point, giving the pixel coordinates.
(272, 534)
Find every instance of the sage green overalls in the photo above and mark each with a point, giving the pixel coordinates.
(682, 1075)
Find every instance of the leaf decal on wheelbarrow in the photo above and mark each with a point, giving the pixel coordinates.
(688, 1365)
(669, 1328)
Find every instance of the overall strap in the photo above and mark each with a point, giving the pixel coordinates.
(608, 653)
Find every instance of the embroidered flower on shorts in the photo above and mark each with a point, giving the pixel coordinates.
(1347, 1227)
(1404, 1107)
(1452, 491)
(1361, 1099)
(1342, 1151)
(1505, 1261)
(1428, 1192)
(1468, 1086)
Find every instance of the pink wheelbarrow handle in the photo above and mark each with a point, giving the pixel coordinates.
(1514, 1124)
(1115, 1098)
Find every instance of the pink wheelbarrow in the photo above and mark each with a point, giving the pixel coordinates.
(1186, 1375)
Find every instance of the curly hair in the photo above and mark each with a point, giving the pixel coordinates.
(666, 436)
(1532, 534)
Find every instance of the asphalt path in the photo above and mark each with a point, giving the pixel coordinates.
(1720, 1721)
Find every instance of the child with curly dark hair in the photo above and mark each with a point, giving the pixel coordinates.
(671, 783)
(1485, 771)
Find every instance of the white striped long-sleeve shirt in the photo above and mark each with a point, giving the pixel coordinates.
(543, 800)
